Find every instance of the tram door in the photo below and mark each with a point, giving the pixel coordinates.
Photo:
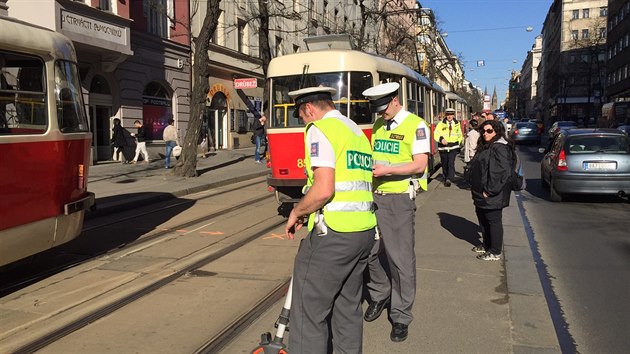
(101, 130)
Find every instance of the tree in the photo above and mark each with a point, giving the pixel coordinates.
(187, 164)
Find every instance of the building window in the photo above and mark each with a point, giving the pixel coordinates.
(585, 13)
(279, 51)
(157, 13)
(585, 33)
(574, 34)
(575, 14)
(104, 5)
(603, 11)
(242, 25)
(602, 32)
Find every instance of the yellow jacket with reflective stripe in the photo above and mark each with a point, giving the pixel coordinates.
(351, 207)
(453, 138)
(394, 148)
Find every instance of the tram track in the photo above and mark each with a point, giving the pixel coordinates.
(103, 311)
(10, 286)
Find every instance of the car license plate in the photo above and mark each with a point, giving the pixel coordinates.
(599, 165)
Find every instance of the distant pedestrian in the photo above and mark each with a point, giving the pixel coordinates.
(449, 136)
(489, 177)
(338, 202)
(171, 140)
(141, 144)
(259, 136)
(119, 142)
(470, 144)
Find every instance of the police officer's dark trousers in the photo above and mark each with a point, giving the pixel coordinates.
(327, 281)
(395, 215)
(448, 163)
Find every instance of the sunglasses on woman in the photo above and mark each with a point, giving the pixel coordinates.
(489, 131)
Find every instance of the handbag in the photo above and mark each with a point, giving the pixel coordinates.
(177, 150)
(253, 139)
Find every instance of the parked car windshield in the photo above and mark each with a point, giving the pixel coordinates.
(567, 124)
(594, 144)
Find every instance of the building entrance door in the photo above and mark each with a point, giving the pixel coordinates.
(101, 130)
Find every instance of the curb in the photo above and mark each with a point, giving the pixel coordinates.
(532, 329)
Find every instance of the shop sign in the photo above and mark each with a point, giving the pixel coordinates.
(248, 83)
(93, 28)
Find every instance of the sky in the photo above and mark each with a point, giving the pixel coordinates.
(490, 30)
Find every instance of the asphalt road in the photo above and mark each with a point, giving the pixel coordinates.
(584, 243)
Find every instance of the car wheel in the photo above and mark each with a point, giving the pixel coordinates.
(554, 196)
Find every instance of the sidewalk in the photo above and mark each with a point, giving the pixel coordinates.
(462, 304)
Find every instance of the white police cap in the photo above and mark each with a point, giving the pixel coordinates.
(311, 94)
(381, 95)
(450, 111)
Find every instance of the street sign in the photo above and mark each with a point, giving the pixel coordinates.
(248, 83)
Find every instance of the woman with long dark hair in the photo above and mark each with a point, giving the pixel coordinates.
(490, 180)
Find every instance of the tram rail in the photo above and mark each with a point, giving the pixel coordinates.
(10, 286)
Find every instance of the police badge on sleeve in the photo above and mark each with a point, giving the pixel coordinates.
(421, 134)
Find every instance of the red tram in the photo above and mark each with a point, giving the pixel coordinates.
(44, 141)
(350, 72)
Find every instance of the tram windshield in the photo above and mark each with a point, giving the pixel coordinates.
(349, 98)
(70, 111)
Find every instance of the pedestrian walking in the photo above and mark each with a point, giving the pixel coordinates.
(490, 180)
(119, 142)
(338, 202)
(259, 137)
(171, 140)
(141, 144)
(401, 146)
(449, 136)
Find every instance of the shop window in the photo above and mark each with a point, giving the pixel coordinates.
(156, 110)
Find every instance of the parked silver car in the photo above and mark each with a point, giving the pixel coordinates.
(526, 132)
(587, 161)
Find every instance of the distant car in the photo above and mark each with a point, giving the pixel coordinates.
(587, 161)
(526, 132)
(561, 125)
(624, 128)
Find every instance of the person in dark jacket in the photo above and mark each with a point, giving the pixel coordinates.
(119, 141)
(489, 177)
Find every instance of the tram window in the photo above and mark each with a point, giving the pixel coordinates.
(22, 95)
(359, 105)
(70, 111)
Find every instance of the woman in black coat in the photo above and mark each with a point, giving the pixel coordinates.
(490, 179)
(119, 141)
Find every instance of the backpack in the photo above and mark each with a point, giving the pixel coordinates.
(518, 175)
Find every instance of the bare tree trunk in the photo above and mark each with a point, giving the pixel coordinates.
(187, 164)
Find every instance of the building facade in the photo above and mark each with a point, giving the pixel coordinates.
(573, 67)
(618, 51)
(133, 60)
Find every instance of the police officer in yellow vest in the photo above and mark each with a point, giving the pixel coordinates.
(449, 136)
(338, 201)
(401, 147)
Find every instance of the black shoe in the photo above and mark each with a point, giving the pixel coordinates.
(399, 332)
(374, 310)
(447, 183)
